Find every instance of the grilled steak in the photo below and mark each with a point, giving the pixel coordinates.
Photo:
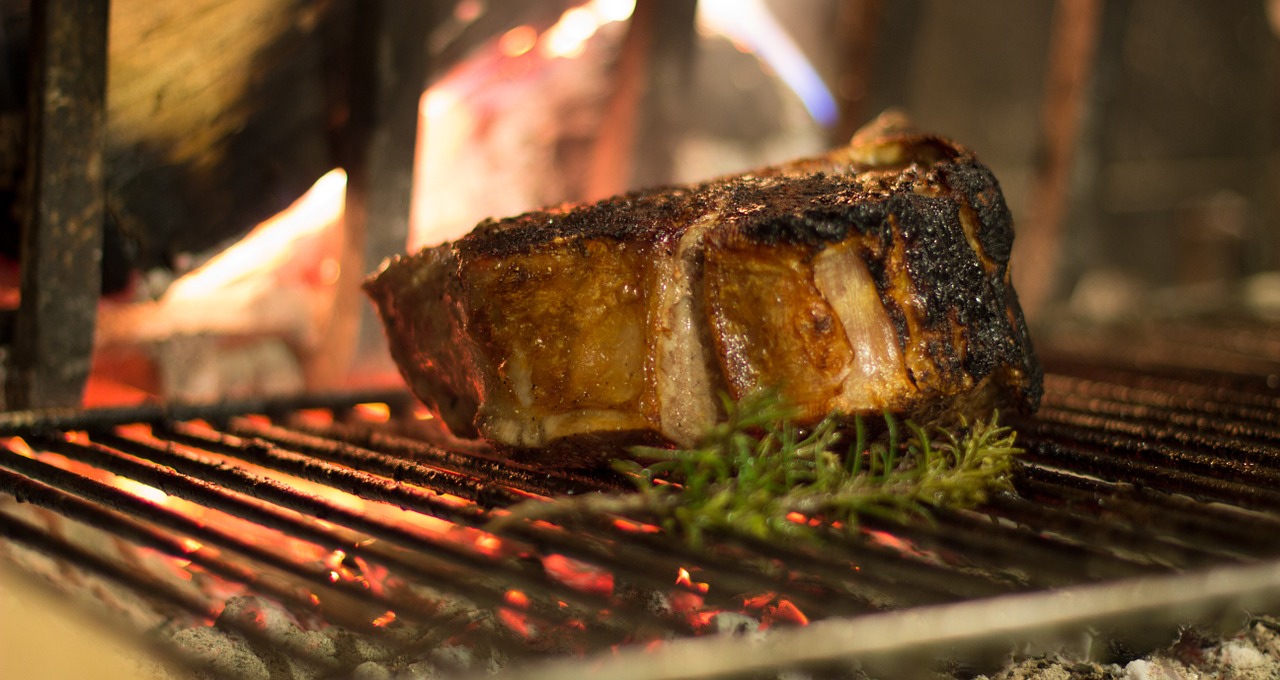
(873, 278)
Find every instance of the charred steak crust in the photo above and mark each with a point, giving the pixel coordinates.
(876, 277)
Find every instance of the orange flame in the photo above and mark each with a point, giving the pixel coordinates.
(267, 247)
(686, 580)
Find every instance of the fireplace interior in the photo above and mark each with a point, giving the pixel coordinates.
(204, 445)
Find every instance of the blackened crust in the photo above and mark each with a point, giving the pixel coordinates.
(637, 217)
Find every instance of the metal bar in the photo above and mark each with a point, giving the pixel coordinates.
(1220, 527)
(1230, 416)
(1095, 459)
(469, 573)
(132, 507)
(893, 644)
(62, 229)
(483, 492)
(650, 88)
(222, 499)
(665, 558)
(1155, 356)
(528, 478)
(1043, 559)
(1203, 435)
(1091, 505)
(1243, 469)
(130, 529)
(1119, 537)
(17, 423)
(383, 83)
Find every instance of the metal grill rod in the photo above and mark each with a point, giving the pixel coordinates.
(892, 644)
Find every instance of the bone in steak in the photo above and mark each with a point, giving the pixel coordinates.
(873, 278)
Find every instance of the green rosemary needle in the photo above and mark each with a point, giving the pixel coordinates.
(756, 473)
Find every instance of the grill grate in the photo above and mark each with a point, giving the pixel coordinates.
(1130, 472)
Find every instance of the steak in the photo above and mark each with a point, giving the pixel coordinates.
(872, 279)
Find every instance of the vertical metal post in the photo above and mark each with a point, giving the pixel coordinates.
(877, 42)
(1085, 46)
(650, 90)
(62, 229)
(384, 82)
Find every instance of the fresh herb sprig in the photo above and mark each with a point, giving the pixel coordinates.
(756, 473)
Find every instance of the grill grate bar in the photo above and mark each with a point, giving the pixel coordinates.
(608, 546)
(56, 496)
(1229, 530)
(1037, 558)
(1120, 537)
(1127, 473)
(23, 423)
(461, 582)
(732, 574)
(1215, 449)
(483, 492)
(910, 578)
(161, 594)
(130, 529)
(1248, 413)
(646, 568)
(475, 461)
(1240, 390)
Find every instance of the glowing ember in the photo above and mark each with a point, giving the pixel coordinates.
(785, 612)
(579, 575)
(379, 413)
(902, 546)
(489, 544)
(516, 598)
(385, 620)
(19, 446)
(629, 525)
(141, 490)
(686, 580)
(514, 620)
(316, 417)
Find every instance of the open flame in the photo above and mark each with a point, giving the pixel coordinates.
(469, 140)
(272, 247)
(238, 325)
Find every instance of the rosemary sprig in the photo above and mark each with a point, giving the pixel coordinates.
(756, 473)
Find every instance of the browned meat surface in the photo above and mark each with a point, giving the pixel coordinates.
(874, 278)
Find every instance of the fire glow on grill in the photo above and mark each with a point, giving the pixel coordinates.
(358, 578)
(350, 515)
